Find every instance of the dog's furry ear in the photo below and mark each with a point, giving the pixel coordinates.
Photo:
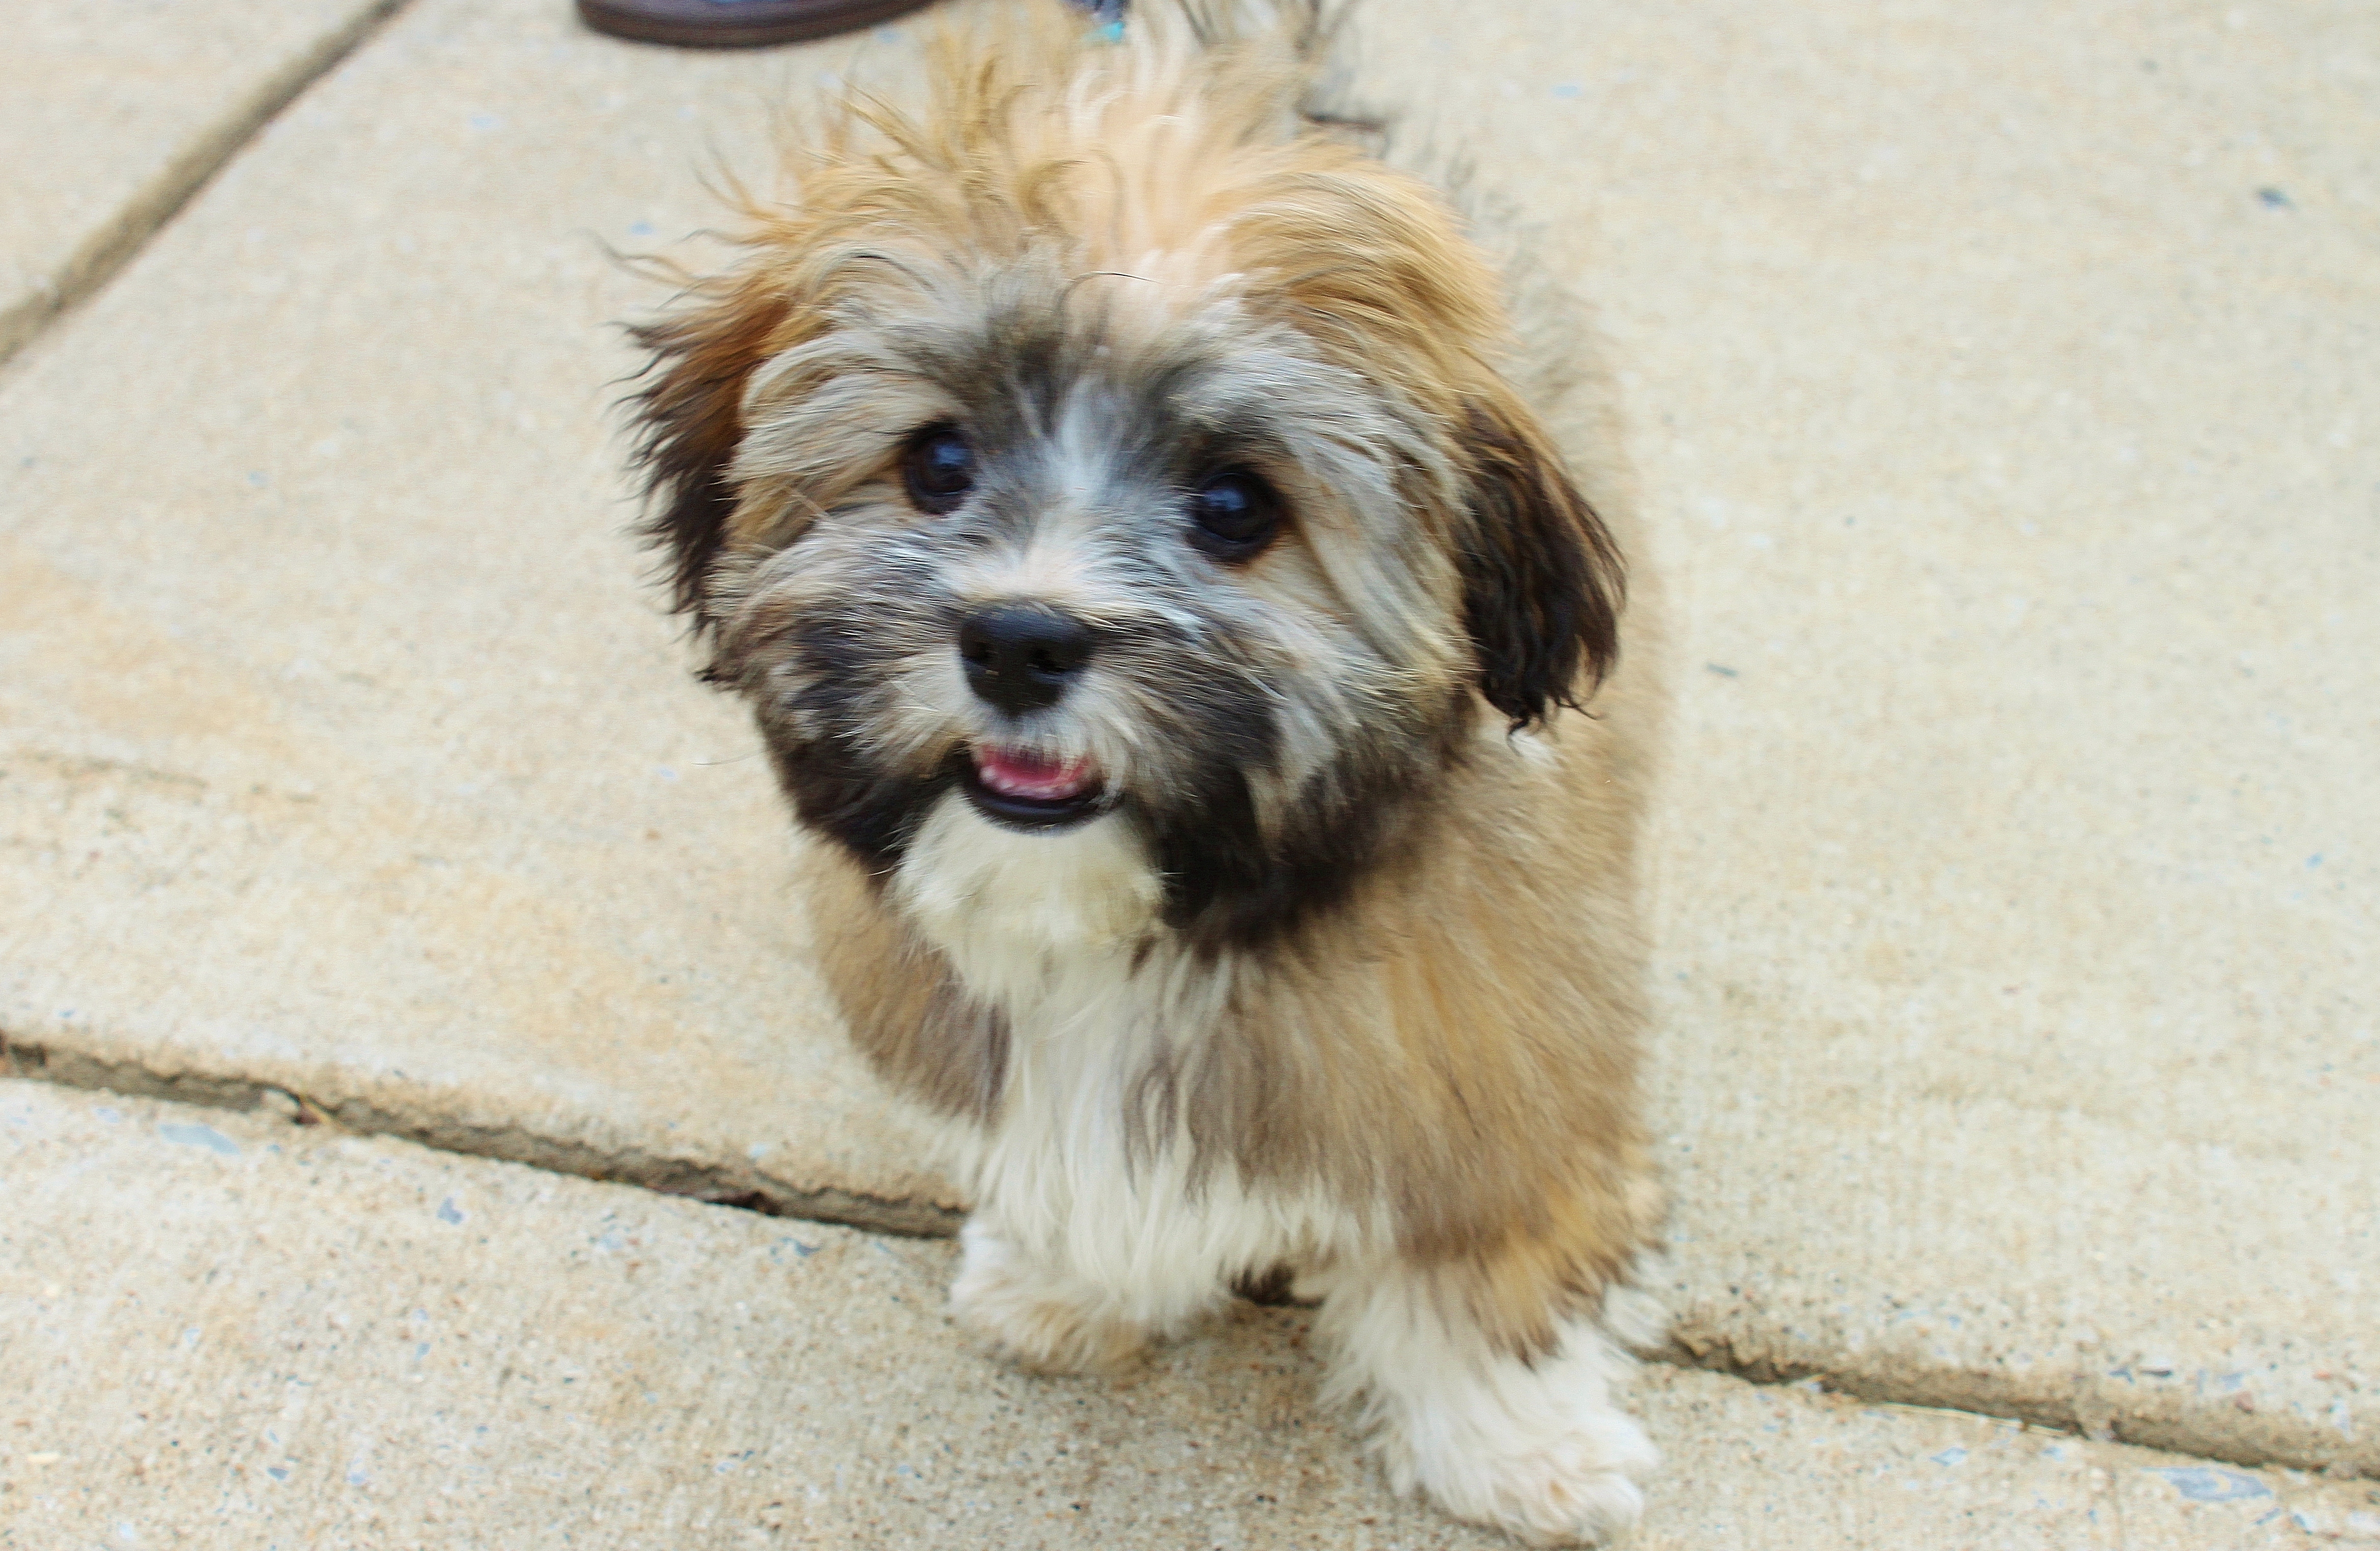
(1542, 580)
(690, 420)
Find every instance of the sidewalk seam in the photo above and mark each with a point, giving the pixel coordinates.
(695, 1179)
(2083, 1415)
(116, 242)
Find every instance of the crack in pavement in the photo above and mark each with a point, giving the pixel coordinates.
(718, 1183)
(116, 243)
(2086, 1412)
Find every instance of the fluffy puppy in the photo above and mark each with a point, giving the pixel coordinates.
(1126, 507)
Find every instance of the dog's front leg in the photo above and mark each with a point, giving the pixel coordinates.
(1532, 1442)
(1043, 1314)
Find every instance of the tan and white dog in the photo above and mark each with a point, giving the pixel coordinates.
(1129, 507)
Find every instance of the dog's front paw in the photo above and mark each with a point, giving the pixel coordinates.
(1539, 1448)
(1041, 1319)
(1571, 1485)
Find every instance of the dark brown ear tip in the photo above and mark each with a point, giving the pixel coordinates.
(688, 417)
(1543, 583)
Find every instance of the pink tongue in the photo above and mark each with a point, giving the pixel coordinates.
(1022, 775)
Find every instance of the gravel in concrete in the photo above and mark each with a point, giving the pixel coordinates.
(218, 1330)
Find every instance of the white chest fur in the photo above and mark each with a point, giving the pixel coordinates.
(1052, 930)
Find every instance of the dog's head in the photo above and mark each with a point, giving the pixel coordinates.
(1102, 448)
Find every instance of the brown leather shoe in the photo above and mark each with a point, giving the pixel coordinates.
(734, 23)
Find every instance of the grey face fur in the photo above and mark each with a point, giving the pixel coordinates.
(1265, 726)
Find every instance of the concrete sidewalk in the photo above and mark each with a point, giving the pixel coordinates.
(2002, 386)
(117, 110)
(282, 1337)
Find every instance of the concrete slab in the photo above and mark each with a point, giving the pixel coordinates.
(2014, 478)
(2005, 383)
(112, 112)
(276, 1335)
(344, 750)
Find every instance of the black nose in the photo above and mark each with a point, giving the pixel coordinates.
(1022, 658)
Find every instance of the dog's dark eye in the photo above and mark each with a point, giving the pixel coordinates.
(938, 468)
(1234, 515)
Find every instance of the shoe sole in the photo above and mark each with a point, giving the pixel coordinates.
(824, 21)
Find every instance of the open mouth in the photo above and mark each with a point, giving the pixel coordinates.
(1029, 792)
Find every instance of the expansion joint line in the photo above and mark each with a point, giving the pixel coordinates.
(121, 239)
(748, 1190)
